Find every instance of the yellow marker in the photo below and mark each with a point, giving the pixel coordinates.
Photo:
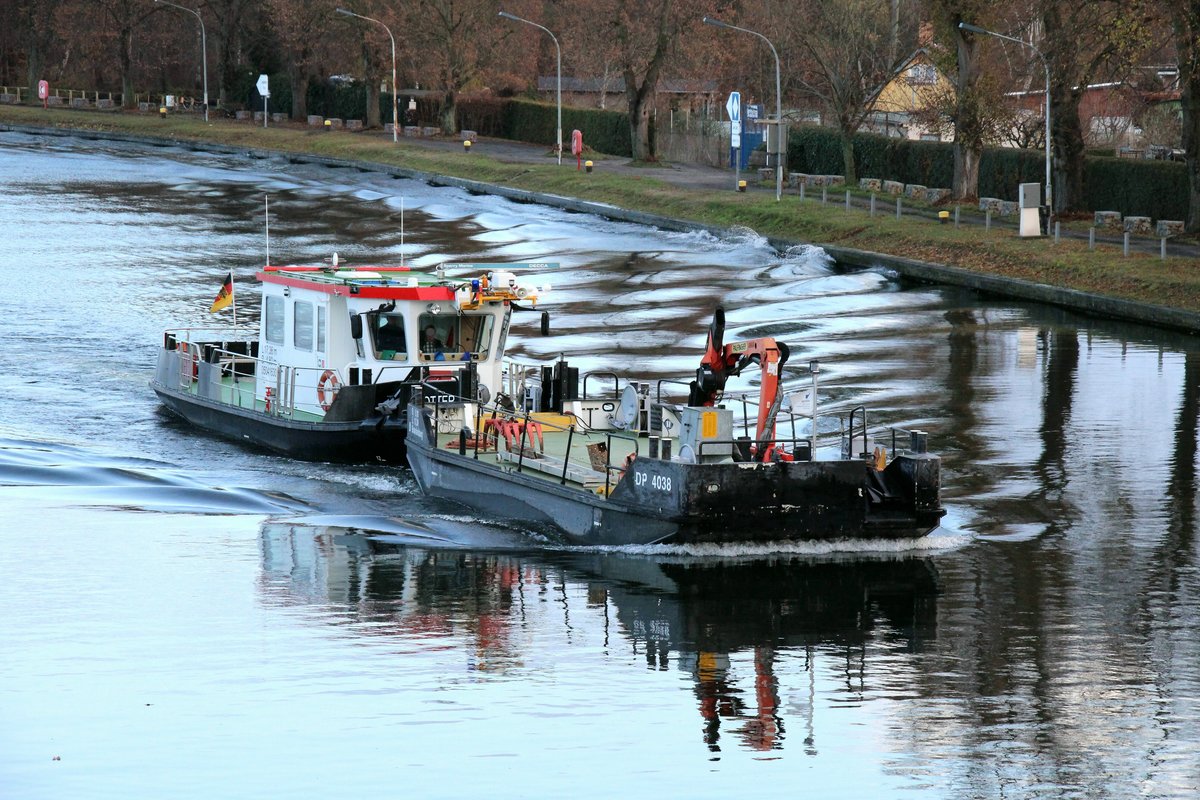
(943, 217)
(708, 424)
(741, 186)
(587, 165)
(467, 145)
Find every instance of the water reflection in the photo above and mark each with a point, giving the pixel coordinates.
(726, 624)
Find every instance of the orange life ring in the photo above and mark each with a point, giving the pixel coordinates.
(328, 382)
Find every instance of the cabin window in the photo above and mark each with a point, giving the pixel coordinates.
(302, 325)
(455, 338)
(273, 313)
(387, 333)
(320, 329)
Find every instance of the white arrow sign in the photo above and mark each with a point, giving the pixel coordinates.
(263, 87)
(734, 106)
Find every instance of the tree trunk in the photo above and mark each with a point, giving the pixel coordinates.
(450, 113)
(966, 172)
(373, 95)
(35, 67)
(126, 40)
(639, 130)
(298, 77)
(1187, 22)
(851, 173)
(1068, 149)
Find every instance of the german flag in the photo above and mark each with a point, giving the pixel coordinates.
(225, 296)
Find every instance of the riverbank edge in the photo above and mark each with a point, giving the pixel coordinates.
(911, 269)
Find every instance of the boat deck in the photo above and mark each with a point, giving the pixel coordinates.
(239, 393)
(542, 451)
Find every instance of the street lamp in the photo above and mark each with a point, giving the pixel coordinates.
(558, 53)
(203, 48)
(1045, 63)
(778, 99)
(395, 108)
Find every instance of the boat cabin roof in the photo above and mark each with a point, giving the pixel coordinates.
(389, 283)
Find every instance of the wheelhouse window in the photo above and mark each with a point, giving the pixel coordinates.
(387, 334)
(455, 338)
(273, 311)
(302, 325)
(320, 329)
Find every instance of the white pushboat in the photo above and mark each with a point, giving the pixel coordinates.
(329, 374)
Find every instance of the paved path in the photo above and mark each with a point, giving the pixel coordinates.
(705, 178)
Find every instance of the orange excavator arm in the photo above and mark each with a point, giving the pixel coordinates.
(721, 361)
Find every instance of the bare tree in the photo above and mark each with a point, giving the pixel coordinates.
(846, 63)
(1185, 21)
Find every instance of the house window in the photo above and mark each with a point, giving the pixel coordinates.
(302, 325)
(273, 312)
(922, 73)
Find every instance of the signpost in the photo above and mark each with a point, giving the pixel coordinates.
(734, 106)
(265, 90)
(44, 93)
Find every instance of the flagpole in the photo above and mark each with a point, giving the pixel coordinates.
(267, 220)
(233, 299)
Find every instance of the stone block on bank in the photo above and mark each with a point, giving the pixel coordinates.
(354, 124)
(336, 123)
(316, 120)
(242, 115)
(258, 116)
(815, 180)
(796, 178)
(143, 106)
(893, 187)
(468, 136)
(936, 196)
(411, 130)
(1168, 227)
(873, 184)
(1139, 226)
(106, 103)
(8, 98)
(80, 102)
(914, 191)
(430, 130)
(997, 206)
(766, 174)
(278, 116)
(1108, 219)
(55, 100)
(835, 180)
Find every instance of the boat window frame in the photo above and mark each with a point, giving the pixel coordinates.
(299, 326)
(449, 333)
(274, 319)
(373, 326)
(322, 315)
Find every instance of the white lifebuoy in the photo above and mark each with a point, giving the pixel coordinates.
(328, 382)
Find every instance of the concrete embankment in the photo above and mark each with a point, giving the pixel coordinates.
(1093, 304)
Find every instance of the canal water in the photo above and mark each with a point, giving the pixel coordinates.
(183, 617)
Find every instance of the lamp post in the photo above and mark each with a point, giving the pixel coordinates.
(395, 108)
(203, 48)
(558, 55)
(778, 98)
(1045, 63)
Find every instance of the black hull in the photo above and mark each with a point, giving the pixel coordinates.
(357, 441)
(668, 501)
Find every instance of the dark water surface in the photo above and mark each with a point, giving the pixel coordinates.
(182, 617)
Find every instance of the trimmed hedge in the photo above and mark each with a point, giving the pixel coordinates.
(1157, 189)
(603, 131)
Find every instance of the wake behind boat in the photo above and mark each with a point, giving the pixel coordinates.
(630, 468)
(329, 373)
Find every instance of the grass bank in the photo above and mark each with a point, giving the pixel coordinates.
(1142, 277)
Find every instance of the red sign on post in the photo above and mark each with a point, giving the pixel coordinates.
(43, 92)
(577, 147)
